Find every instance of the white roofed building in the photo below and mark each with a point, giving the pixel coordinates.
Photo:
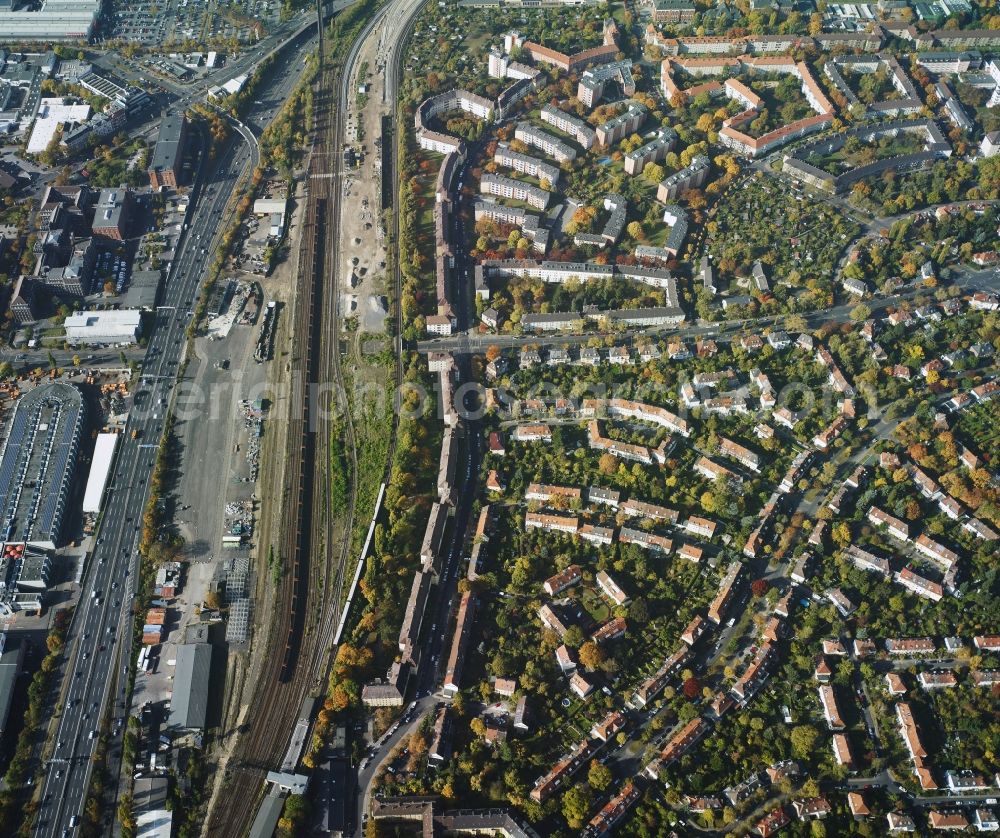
(103, 327)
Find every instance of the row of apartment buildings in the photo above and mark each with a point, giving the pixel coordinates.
(936, 147)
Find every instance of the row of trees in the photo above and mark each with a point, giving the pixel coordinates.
(16, 812)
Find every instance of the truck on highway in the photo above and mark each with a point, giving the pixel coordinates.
(135, 433)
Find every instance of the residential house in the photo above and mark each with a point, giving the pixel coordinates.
(645, 540)
(596, 535)
(608, 726)
(564, 657)
(864, 647)
(920, 585)
(564, 580)
(532, 433)
(700, 526)
(611, 630)
(551, 523)
(985, 820)
(505, 687)
(726, 588)
(812, 808)
(690, 552)
(900, 822)
(552, 621)
(935, 551)
(695, 629)
(910, 646)
(772, 822)
(842, 751)
(856, 803)
(894, 525)
(937, 680)
(987, 642)
(841, 602)
(831, 711)
(611, 589)
(894, 684)
(947, 821)
(580, 685)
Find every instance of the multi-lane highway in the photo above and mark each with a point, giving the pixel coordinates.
(102, 624)
(100, 637)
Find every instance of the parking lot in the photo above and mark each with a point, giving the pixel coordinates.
(169, 22)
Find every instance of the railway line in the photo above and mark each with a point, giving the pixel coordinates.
(282, 683)
(296, 655)
(335, 614)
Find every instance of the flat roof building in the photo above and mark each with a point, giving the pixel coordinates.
(165, 164)
(24, 577)
(153, 818)
(103, 327)
(100, 468)
(58, 20)
(143, 289)
(189, 703)
(38, 462)
(113, 212)
(11, 661)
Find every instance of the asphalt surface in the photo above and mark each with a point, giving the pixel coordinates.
(29, 359)
(136, 72)
(101, 628)
(471, 341)
(101, 624)
(435, 645)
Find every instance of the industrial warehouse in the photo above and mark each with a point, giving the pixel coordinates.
(43, 427)
(38, 461)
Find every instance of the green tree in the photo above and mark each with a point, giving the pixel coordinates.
(599, 776)
(576, 804)
(653, 173)
(591, 655)
(804, 740)
(125, 817)
(573, 637)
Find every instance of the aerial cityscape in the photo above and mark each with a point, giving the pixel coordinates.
(499, 417)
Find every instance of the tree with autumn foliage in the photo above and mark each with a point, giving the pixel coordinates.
(691, 688)
(591, 655)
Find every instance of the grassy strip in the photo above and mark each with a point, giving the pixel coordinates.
(339, 468)
(396, 542)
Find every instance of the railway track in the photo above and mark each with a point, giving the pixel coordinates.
(287, 672)
(331, 618)
(297, 646)
(324, 650)
(335, 561)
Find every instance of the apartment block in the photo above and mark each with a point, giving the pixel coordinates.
(576, 128)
